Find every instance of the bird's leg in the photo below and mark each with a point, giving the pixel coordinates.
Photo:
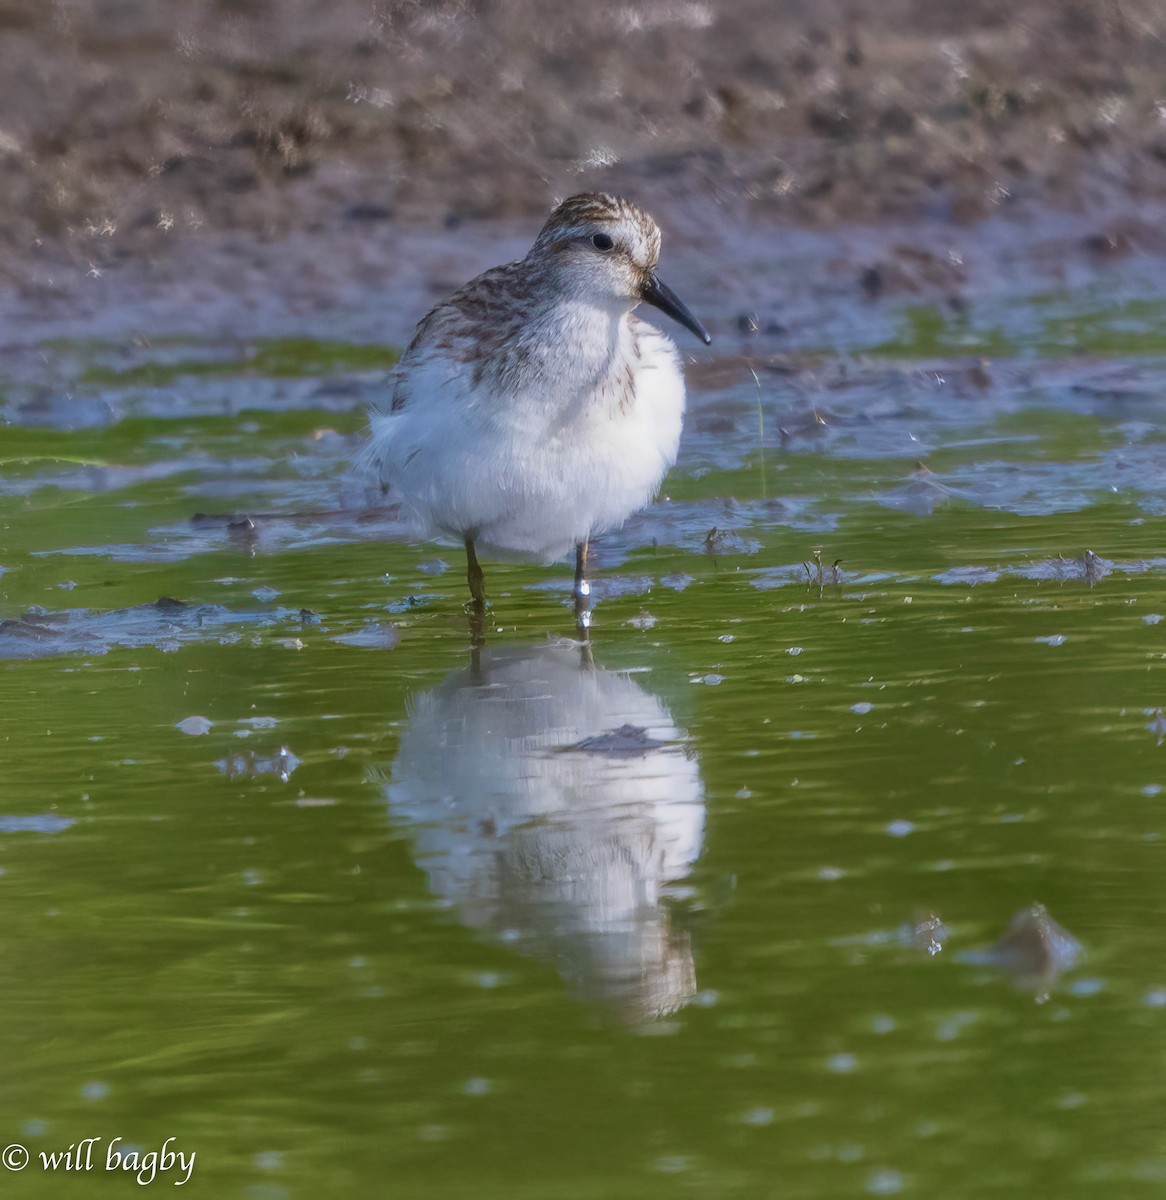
(476, 609)
(474, 576)
(582, 588)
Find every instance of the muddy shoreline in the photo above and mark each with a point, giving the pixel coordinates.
(763, 288)
(265, 163)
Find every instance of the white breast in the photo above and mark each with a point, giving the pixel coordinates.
(572, 448)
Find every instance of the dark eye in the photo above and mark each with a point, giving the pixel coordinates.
(601, 241)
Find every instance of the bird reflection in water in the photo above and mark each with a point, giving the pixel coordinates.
(554, 802)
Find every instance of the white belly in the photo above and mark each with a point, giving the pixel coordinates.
(531, 476)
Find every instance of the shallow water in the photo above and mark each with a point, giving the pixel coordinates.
(292, 876)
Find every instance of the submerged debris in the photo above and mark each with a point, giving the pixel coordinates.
(165, 625)
(628, 741)
(1035, 950)
(1158, 726)
(821, 576)
(921, 494)
(1095, 567)
(926, 934)
(726, 541)
(247, 766)
(375, 635)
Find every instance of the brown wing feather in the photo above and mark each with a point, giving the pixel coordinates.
(471, 326)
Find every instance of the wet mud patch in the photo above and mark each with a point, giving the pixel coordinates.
(166, 625)
(1089, 568)
(242, 534)
(78, 384)
(35, 823)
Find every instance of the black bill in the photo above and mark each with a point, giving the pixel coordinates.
(656, 292)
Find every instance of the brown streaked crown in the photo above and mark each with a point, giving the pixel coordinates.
(582, 212)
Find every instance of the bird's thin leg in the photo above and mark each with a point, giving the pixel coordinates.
(474, 576)
(582, 588)
(476, 609)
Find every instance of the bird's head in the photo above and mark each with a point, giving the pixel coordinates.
(606, 249)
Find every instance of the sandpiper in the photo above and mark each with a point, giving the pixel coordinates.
(534, 409)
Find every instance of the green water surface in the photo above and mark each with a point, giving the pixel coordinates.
(457, 952)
